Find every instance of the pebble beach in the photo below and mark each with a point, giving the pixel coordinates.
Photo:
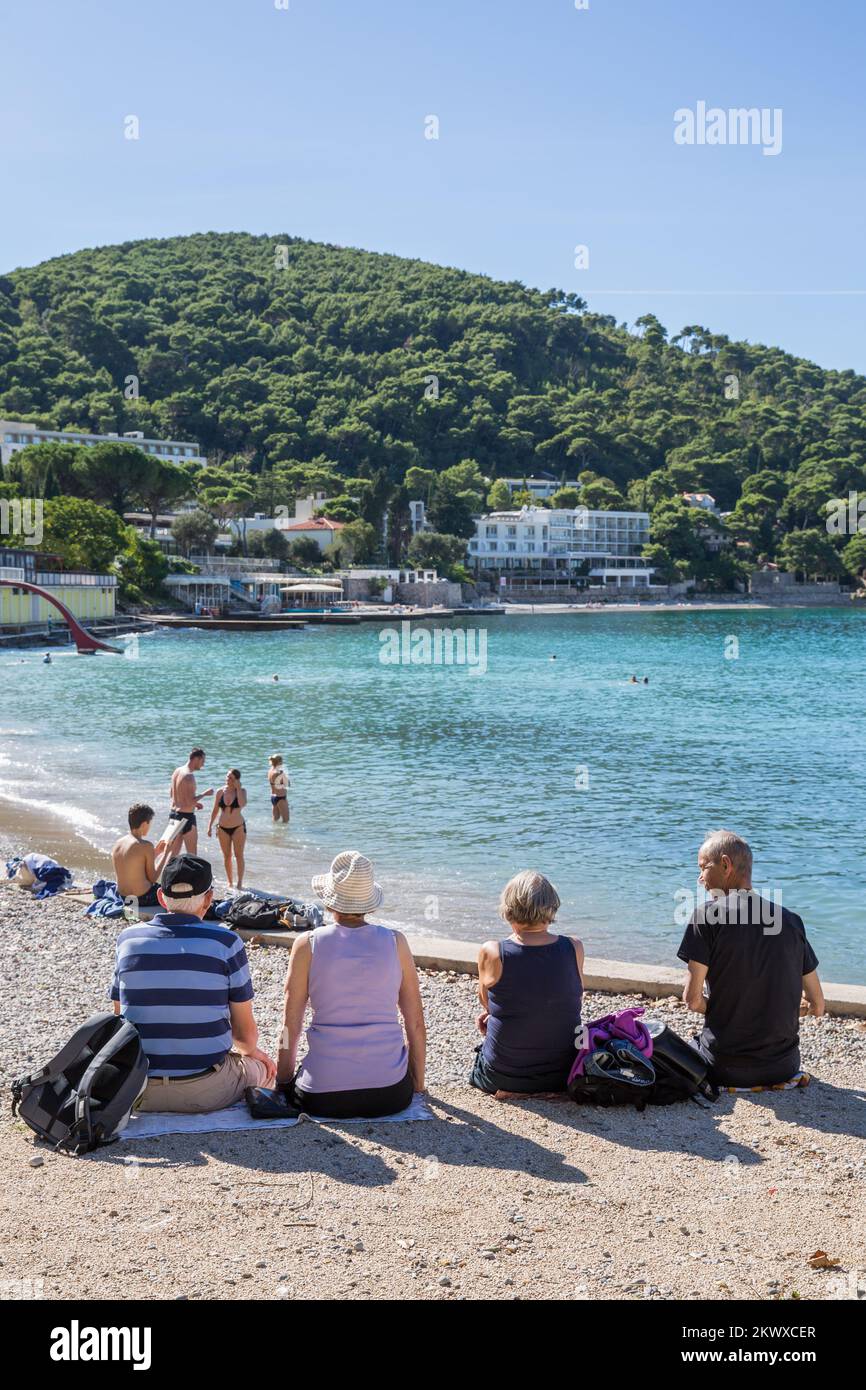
(536, 1199)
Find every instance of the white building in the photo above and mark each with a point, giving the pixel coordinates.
(536, 542)
(17, 434)
(704, 500)
(712, 536)
(418, 516)
(302, 526)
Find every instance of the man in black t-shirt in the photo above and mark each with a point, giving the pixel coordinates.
(758, 967)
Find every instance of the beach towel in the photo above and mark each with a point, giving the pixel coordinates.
(50, 876)
(800, 1079)
(107, 901)
(151, 1124)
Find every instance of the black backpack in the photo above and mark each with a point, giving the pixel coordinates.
(255, 914)
(617, 1074)
(84, 1096)
(681, 1072)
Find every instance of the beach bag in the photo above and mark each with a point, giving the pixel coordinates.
(681, 1071)
(254, 914)
(84, 1096)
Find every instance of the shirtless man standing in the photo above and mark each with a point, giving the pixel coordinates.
(185, 801)
(136, 867)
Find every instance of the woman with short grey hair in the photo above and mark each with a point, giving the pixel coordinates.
(530, 988)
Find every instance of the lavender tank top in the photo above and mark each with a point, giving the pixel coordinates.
(355, 1041)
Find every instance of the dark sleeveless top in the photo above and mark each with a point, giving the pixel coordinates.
(534, 1009)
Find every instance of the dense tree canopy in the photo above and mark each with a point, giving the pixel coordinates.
(299, 366)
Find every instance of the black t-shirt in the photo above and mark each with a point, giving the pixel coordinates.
(756, 953)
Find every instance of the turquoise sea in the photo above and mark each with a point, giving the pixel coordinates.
(451, 780)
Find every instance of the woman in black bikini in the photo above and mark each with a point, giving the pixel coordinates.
(228, 804)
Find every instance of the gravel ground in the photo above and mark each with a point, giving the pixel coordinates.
(538, 1199)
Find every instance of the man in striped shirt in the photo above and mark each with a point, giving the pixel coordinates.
(185, 984)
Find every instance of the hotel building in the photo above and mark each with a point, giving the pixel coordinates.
(537, 543)
(17, 434)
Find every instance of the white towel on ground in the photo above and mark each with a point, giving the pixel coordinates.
(150, 1124)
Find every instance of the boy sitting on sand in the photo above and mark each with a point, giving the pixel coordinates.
(136, 867)
(760, 972)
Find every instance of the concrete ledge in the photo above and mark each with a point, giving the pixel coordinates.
(604, 976)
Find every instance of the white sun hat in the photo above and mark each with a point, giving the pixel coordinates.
(348, 886)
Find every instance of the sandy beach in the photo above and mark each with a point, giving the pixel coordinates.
(529, 1200)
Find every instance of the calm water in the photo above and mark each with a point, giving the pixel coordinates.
(452, 781)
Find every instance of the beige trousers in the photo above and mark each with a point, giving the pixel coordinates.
(197, 1095)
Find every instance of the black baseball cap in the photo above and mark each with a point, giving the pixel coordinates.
(186, 876)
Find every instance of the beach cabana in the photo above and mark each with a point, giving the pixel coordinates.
(317, 594)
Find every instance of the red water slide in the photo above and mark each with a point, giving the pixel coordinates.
(85, 643)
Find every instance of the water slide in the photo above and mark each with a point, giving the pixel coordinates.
(84, 641)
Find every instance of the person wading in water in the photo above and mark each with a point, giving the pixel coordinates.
(278, 780)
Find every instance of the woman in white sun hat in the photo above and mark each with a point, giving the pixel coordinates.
(358, 979)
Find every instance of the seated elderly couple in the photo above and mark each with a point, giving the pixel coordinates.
(185, 984)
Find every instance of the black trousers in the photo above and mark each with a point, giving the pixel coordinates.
(345, 1105)
(485, 1078)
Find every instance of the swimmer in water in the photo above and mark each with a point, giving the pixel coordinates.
(553, 658)
(279, 784)
(632, 680)
(275, 678)
(46, 660)
(646, 680)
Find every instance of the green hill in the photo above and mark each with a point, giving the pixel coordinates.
(287, 352)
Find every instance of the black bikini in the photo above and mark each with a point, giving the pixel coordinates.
(230, 829)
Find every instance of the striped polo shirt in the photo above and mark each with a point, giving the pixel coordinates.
(175, 977)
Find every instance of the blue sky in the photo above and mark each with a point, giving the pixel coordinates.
(555, 129)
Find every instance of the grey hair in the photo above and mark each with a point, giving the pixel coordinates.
(720, 842)
(183, 904)
(529, 899)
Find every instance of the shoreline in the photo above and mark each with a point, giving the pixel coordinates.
(13, 640)
(667, 606)
(655, 980)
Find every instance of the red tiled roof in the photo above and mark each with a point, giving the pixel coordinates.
(320, 523)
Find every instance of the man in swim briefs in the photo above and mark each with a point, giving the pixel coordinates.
(185, 801)
(138, 863)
